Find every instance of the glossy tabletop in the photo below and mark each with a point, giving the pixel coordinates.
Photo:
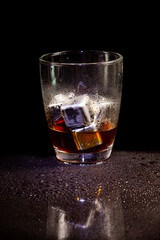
(43, 198)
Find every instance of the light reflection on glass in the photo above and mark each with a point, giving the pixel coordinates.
(52, 76)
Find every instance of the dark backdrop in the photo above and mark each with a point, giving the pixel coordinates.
(29, 33)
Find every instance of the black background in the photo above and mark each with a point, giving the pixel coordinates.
(30, 31)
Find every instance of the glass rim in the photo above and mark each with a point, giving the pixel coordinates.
(56, 63)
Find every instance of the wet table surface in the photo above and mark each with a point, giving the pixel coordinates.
(43, 198)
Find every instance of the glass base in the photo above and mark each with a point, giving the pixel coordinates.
(83, 158)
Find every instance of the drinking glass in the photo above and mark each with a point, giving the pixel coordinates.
(82, 96)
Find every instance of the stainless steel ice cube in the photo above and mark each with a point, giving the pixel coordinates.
(78, 114)
(87, 137)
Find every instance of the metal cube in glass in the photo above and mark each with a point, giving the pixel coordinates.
(82, 95)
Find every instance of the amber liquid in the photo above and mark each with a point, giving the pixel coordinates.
(62, 138)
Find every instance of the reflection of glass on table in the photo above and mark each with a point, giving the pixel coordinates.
(102, 216)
